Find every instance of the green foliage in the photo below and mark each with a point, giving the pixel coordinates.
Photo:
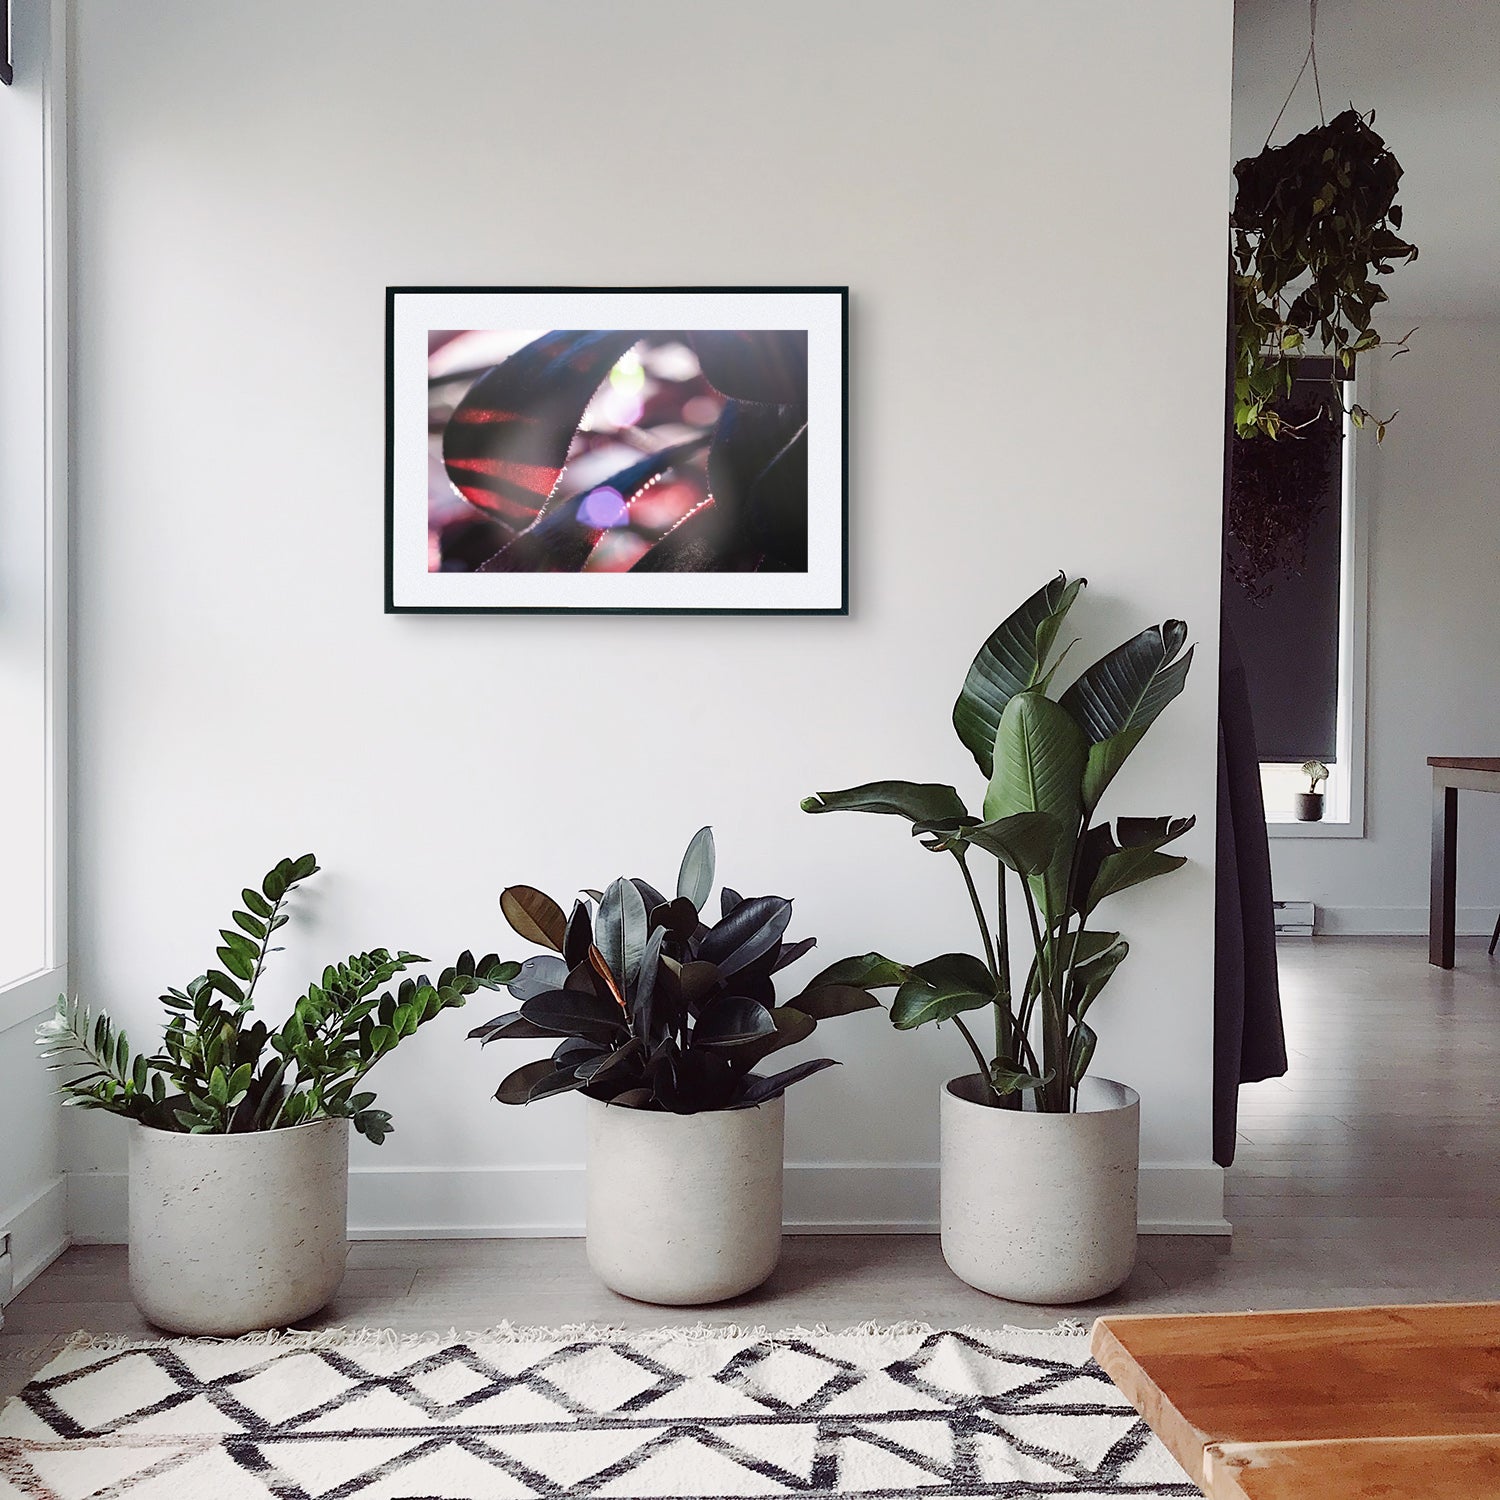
(1314, 225)
(1048, 762)
(220, 1071)
(656, 1008)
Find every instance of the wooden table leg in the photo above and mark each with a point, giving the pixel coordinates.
(1443, 898)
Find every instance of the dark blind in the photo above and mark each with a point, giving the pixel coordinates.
(1283, 546)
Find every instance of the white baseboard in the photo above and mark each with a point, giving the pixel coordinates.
(38, 1229)
(1399, 921)
(537, 1202)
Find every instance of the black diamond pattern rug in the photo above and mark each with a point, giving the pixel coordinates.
(875, 1412)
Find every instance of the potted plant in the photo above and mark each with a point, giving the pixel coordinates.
(663, 1019)
(239, 1135)
(1309, 804)
(1039, 1160)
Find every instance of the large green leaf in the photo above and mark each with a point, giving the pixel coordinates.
(1024, 842)
(823, 1002)
(1099, 955)
(1040, 756)
(1013, 660)
(868, 971)
(919, 801)
(695, 878)
(1118, 698)
(942, 988)
(1080, 1052)
(1114, 859)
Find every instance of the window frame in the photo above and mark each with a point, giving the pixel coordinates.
(1344, 804)
(28, 995)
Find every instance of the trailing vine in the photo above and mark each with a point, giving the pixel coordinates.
(1314, 225)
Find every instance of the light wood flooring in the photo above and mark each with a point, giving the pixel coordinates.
(1370, 1173)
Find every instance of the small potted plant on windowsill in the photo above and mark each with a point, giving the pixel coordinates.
(239, 1135)
(1039, 1161)
(1308, 805)
(662, 1020)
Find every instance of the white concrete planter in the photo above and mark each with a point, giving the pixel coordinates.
(230, 1233)
(684, 1209)
(1041, 1207)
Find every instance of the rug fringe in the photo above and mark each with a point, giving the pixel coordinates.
(292, 1339)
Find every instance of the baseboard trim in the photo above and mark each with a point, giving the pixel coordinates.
(38, 1229)
(546, 1202)
(1399, 921)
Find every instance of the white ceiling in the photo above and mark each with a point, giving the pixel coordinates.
(1431, 71)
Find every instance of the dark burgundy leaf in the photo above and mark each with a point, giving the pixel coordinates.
(767, 365)
(747, 932)
(757, 474)
(505, 444)
(729, 1020)
(538, 975)
(789, 953)
(756, 1090)
(578, 936)
(562, 540)
(573, 1013)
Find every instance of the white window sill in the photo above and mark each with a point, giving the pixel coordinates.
(1327, 828)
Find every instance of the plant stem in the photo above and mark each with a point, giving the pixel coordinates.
(1004, 1015)
(265, 948)
(1001, 1007)
(1052, 1058)
(984, 930)
(984, 1067)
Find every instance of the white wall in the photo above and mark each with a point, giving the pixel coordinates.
(1028, 204)
(1434, 667)
(1429, 490)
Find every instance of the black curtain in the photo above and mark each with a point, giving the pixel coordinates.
(1249, 1043)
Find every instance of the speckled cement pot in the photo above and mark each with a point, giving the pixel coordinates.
(1041, 1207)
(231, 1233)
(684, 1209)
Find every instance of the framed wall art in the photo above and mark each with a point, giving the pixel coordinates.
(669, 450)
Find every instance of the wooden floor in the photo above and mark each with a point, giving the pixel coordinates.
(1371, 1173)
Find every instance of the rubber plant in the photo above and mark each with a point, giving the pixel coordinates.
(221, 1071)
(1047, 762)
(657, 1009)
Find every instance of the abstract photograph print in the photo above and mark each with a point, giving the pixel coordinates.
(616, 450)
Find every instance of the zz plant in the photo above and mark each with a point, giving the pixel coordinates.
(221, 1071)
(656, 1009)
(1048, 762)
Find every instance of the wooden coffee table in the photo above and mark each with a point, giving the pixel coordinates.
(1331, 1405)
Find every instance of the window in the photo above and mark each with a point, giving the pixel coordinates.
(33, 552)
(1295, 597)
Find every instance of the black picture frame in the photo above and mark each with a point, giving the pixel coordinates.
(832, 580)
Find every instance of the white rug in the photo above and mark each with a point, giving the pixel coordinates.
(873, 1412)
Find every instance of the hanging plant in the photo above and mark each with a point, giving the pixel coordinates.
(1314, 225)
